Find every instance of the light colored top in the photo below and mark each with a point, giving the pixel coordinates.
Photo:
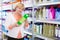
(16, 32)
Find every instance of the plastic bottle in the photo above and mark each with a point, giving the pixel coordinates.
(58, 13)
(23, 19)
(56, 31)
(47, 13)
(40, 29)
(52, 13)
(59, 33)
(37, 29)
(44, 12)
(3, 29)
(30, 27)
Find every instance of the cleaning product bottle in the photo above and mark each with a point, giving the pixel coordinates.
(58, 13)
(23, 19)
(30, 27)
(3, 29)
(56, 31)
(40, 29)
(44, 12)
(47, 13)
(52, 13)
(59, 33)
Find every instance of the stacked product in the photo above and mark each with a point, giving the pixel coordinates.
(47, 30)
(48, 13)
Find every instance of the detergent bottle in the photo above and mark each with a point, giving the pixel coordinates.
(58, 13)
(23, 19)
(52, 13)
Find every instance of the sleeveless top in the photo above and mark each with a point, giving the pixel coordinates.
(16, 32)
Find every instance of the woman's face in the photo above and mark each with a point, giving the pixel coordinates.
(18, 14)
(19, 9)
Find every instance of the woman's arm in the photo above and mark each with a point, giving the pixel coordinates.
(17, 17)
(12, 26)
(26, 25)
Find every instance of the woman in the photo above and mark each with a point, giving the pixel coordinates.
(14, 17)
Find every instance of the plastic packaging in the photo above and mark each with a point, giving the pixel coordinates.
(44, 13)
(51, 13)
(41, 29)
(47, 13)
(58, 13)
(23, 19)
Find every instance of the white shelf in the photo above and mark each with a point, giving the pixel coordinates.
(39, 36)
(9, 6)
(26, 32)
(46, 21)
(46, 38)
(51, 3)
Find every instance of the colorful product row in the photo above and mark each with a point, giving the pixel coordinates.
(47, 30)
(48, 13)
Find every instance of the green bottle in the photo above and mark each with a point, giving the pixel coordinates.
(23, 19)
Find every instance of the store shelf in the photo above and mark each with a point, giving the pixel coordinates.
(26, 32)
(9, 6)
(43, 37)
(51, 3)
(39, 36)
(48, 21)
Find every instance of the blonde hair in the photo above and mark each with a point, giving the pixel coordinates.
(20, 5)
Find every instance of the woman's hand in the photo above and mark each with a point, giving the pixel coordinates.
(26, 24)
(12, 26)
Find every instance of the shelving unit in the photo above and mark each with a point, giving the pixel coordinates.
(39, 36)
(45, 21)
(26, 32)
(9, 6)
(48, 21)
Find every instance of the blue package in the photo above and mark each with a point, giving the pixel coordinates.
(58, 14)
(3, 29)
(26, 39)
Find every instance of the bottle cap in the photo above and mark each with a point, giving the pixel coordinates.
(26, 16)
(51, 6)
(58, 6)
